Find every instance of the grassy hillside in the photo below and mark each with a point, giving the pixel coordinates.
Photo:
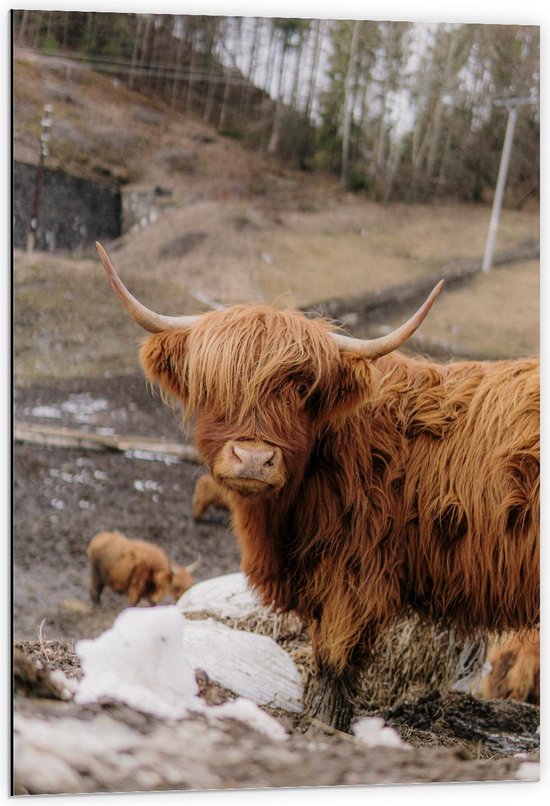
(235, 226)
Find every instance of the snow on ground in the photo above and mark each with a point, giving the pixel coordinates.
(147, 661)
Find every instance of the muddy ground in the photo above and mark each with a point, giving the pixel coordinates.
(63, 497)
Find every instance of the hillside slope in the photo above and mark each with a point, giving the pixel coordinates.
(230, 225)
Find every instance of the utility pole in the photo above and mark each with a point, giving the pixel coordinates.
(511, 105)
(46, 123)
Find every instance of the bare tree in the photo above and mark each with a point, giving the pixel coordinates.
(348, 97)
(318, 30)
(135, 50)
(286, 30)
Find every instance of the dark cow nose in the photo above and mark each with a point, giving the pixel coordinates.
(253, 458)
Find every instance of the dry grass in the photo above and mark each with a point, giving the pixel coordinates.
(409, 660)
(308, 258)
(100, 126)
(63, 319)
(318, 257)
(494, 316)
(59, 654)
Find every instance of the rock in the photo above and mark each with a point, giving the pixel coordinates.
(411, 658)
(227, 596)
(147, 660)
(92, 750)
(251, 665)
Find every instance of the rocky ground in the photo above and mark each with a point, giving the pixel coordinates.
(111, 748)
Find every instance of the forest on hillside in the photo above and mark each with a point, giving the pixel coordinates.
(399, 110)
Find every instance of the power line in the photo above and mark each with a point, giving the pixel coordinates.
(101, 65)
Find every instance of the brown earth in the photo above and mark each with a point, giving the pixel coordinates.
(63, 497)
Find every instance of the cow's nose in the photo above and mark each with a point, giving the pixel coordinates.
(242, 462)
(253, 458)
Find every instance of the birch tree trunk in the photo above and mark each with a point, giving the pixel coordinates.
(177, 66)
(23, 27)
(319, 29)
(348, 96)
(298, 70)
(135, 51)
(191, 81)
(450, 44)
(277, 118)
(252, 65)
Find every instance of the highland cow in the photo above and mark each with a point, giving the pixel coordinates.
(515, 669)
(363, 482)
(135, 567)
(209, 493)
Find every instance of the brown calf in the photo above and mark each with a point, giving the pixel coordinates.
(209, 492)
(135, 567)
(515, 672)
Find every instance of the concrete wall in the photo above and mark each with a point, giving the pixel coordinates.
(73, 212)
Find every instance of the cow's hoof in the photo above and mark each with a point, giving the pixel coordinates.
(329, 703)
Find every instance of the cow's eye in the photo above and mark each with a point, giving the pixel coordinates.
(302, 389)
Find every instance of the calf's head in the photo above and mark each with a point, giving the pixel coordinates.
(182, 578)
(260, 384)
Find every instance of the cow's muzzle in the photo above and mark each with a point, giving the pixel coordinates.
(249, 467)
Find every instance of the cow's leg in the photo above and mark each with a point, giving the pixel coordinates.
(134, 594)
(96, 584)
(331, 697)
(138, 583)
(206, 493)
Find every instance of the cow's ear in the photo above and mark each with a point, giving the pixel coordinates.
(352, 385)
(162, 358)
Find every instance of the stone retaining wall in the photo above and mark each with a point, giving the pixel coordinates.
(73, 213)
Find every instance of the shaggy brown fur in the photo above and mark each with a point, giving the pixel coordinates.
(135, 567)
(406, 483)
(209, 493)
(515, 672)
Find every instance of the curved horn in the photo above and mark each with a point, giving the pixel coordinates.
(148, 320)
(375, 348)
(194, 565)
